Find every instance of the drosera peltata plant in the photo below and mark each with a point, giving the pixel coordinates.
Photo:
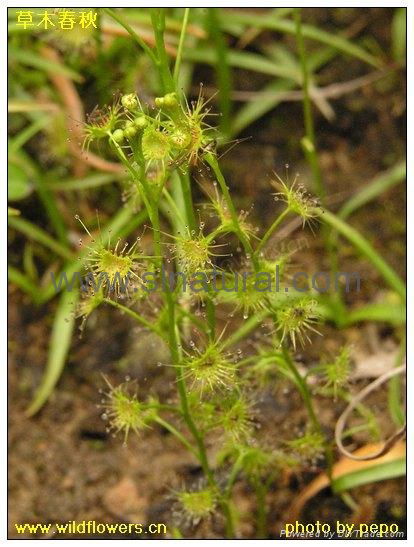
(158, 145)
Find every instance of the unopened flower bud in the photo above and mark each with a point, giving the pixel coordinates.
(130, 129)
(140, 122)
(170, 100)
(118, 136)
(130, 101)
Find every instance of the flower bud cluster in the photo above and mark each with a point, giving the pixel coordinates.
(167, 135)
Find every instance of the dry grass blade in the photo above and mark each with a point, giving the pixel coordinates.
(76, 117)
(343, 467)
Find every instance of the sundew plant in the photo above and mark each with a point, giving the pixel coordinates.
(169, 148)
(158, 144)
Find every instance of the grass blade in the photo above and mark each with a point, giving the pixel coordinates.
(14, 106)
(396, 403)
(365, 248)
(223, 72)
(309, 31)
(34, 60)
(254, 110)
(376, 473)
(399, 35)
(91, 181)
(310, 139)
(393, 313)
(375, 188)
(45, 195)
(243, 59)
(27, 133)
(177, 65)
(49, 203)
(60, 340)
(139, 41)
(22, 281)
(37, 234)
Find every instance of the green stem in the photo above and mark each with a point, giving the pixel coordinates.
(155, 219)
(169, 85)
(212, 161)
(198, 322)
(188, 200)
(171, 203)
(261, 490)
(132, 33)
(303, 389)
(176, 360)
(230, 528)
(158, 25)
(135, 175)
(394, 390)
(182, 389)
(270, 231)
(309, 143)
(222, 67)
(226, 502)
(191, 220)
(151, 326)
(176, 433)
(158, 22)
(307, 399)
(211, 315)
(237, 467)
(212, 235)
(181, 45)
(246, 327)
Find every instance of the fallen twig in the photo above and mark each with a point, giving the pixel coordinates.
(318, 94)
(340, 424)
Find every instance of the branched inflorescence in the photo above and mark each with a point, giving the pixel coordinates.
(218, 392)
